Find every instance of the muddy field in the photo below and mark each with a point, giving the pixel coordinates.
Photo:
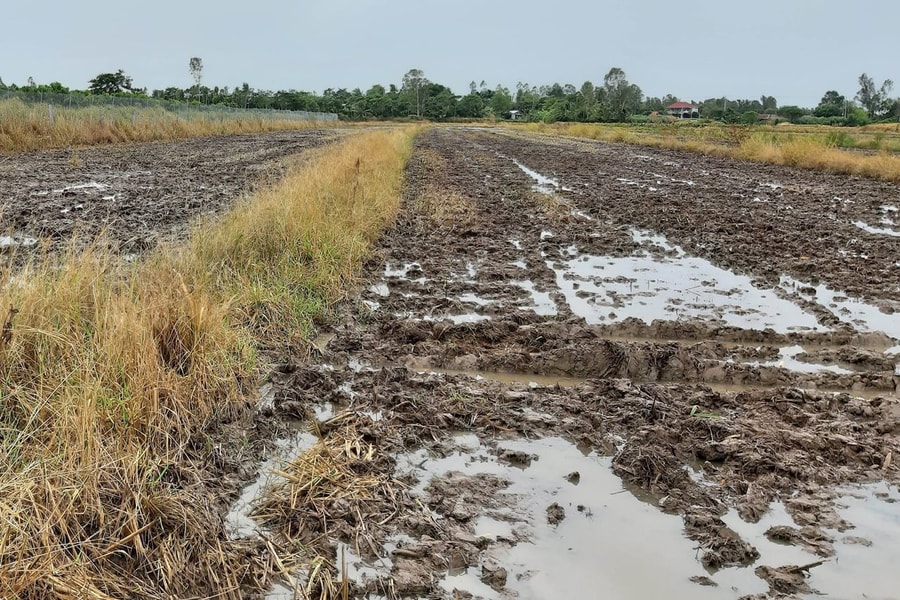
(583, 370)
(573, 370)
(137, 194)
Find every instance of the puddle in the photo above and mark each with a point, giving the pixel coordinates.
(421, 366)
(787, 359)
(471, 298)
(542, 303)
(610, 539)
(494, 529)
(861, 315)
(280, 591)
(10, 241)
(857, 570)
(877, 230)
(359, 570)
(381, 289)
(402, 271)
(860, 571)
(544, 184)
(460, 319)
(521, 264)
(320, 343)
(607, 540)
(238, 521)
(86, 187)
(471, 270)
(610, 289)
(644, 237)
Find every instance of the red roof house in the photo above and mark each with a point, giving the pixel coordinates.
(683, 110)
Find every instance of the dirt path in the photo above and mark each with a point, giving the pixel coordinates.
(138, 193)
(583, 367)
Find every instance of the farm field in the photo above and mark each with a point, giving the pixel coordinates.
(581, 369)
(568, 369)
(138, 194)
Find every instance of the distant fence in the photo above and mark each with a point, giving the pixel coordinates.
(182, 109)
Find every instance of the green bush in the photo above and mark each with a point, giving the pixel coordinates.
(857, 116)
(839, 139)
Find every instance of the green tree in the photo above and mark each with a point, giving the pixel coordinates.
(111, 83)
(832, 104)
(587, 98)
(792, 113)
(440, 103)
(471, 106)
(857, 116)
(528, 98)
(501, 102)
(376, 102)
(195, 65)
(414, 89)
(876, 101)
(623, 98)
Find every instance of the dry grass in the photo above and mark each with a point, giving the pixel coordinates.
(342, 480)
(24, 127)
(435, 202)
(443, 207)
(290, 251)
(111, 375)
(804, 147)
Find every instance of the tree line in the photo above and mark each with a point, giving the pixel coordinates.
(616, 99)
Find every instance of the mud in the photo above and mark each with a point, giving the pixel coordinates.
(643, 376)
(138, 194)
(572, 370)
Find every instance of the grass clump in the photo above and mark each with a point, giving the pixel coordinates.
(114, 377)
(24, 127)
(290, 251)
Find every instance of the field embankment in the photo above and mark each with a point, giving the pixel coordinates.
(118, 382)
(869, 153)
(25, 127)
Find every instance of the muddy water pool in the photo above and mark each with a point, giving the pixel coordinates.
(606, 540)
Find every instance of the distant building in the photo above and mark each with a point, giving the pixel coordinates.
(683, 110)
(515, 114)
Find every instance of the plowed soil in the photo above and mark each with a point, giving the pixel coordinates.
(138, 194)
(574, 369)
(719, 334)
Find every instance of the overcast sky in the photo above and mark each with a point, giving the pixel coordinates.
(794, 50)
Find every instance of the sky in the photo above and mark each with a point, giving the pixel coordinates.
(794, 50)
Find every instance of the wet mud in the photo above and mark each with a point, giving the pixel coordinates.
(679, 385)
(137, 194)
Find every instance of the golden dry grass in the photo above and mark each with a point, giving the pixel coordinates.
(24, 127)
(110, 376)
(343, 468)
(807, 148)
